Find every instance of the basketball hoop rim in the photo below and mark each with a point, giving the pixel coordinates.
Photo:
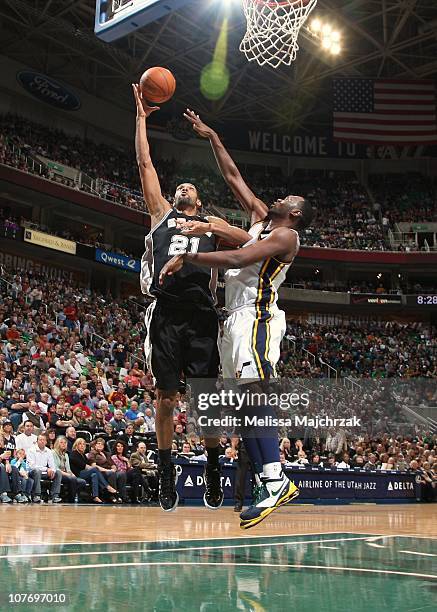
(279, 4)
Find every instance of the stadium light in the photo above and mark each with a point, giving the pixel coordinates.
(328, 37)
(316, 25)
(215, 76)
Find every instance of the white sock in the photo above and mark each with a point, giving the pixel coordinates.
(272, 471)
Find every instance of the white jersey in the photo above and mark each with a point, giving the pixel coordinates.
(256, 285)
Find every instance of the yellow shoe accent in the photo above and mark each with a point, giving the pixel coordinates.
(287, 497)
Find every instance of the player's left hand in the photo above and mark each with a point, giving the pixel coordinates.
(198, 125)
(171, 267)
(194, 228)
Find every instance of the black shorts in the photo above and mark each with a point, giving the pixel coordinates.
(181, 342)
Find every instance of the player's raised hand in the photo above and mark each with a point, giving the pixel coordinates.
(198, 125)
(171, 267)
(143, 109)
(194, 228)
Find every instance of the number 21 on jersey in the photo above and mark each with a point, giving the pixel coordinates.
(180, 245)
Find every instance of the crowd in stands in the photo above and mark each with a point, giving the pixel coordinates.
(92, 237)
(77, 404)
(386, 452)
(87, 235)
(348, 217)
(375, 350)
(409, 198)
(361, 286)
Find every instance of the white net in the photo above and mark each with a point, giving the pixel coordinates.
(272, 29)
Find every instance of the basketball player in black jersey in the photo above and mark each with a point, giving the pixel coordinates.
(182, 321)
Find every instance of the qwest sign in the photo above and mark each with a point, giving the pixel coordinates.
(48, 90)
(117, 260)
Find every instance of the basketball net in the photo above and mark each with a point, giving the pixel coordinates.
(272, 29)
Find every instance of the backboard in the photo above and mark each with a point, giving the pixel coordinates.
(117, 18)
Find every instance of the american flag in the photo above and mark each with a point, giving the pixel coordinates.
(396, 112)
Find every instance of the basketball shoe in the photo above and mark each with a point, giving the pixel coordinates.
(167, 494)
(213, 497)
(270, 496)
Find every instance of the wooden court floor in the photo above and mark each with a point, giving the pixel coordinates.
(364, 557)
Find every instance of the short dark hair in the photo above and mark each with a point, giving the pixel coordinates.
(307, 214)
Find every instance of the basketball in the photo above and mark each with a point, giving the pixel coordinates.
(157, 84)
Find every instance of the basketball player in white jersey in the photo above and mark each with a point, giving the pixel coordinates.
(255, 327)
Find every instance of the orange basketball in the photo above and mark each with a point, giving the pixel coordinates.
(157, 85)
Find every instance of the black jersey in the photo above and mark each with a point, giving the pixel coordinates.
(191, 285)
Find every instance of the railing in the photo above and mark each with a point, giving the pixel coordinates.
(214, 211)
(430, 247)
(4, 280)
(142, 306)
(116, 193)
(132, 357)
(234, 216)
(329, 371)
(35, 166)
(391, 239)
(430, 424)
(407, 239)
(351, 383)
(93, 334)
(97, 187)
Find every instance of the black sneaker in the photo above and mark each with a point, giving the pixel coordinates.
(168, 496)
(213, 497)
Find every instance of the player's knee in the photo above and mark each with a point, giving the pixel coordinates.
(166, 403)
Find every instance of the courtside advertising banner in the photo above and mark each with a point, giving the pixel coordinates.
(314, 483)
(118, 261)
(50, 242)
(373, 299)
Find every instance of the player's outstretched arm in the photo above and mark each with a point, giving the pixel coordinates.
(157, 205)
(256, 208)
(227, 233)
(281, 243)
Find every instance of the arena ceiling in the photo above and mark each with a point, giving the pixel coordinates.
(382, 38)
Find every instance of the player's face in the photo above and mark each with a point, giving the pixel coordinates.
(186, 197)
(282, 208)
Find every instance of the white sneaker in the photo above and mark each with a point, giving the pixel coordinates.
(273, 494)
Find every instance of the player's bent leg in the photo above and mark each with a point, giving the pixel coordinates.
(167, 494)
(276, 489)
(213, 496)
(201, 363)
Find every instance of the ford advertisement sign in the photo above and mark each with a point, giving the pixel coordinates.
(48, 90)
(117, 260)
